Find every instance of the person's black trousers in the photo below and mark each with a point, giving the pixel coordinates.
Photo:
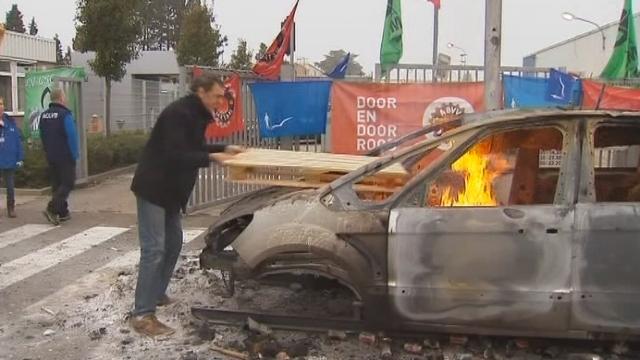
(63, 179)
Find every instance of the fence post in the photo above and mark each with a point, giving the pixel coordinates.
(182, 81)
(144, 106)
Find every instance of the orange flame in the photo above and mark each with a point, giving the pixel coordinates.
(479, 169)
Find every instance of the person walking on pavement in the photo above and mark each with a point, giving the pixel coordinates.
(162, 184)
(60, 142)
(11, 156)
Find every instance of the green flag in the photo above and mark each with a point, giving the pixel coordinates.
(391, 48)
(624, 60)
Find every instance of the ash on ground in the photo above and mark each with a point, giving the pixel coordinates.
(101, 321)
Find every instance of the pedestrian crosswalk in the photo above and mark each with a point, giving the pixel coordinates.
(28, 265)
(23, 232)
(62, 250)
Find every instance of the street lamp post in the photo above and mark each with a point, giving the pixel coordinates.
(570, 17)
(463, 53)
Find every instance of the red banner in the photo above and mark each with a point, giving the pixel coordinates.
(365, 116)
(270, 64)
(613, 97)
(229, 118)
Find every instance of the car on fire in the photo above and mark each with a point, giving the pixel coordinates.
(521, 223)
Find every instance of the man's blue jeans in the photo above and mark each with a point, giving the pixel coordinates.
(160, 234)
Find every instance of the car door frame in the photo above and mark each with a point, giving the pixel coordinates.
(602, 302)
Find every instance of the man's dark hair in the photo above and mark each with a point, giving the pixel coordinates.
(205, 81)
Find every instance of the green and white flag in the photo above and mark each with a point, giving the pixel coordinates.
(623, 63)
(38, 87)
(391, 48)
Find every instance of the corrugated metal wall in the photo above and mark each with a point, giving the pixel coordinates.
(22, 46)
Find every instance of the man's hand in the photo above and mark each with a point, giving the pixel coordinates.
(234, 149)
(220, 158)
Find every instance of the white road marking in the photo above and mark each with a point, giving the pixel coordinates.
(18, 234)
(45, 258)
(95, 282)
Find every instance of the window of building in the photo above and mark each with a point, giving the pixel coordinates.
(5, 92)
(616, 161)
(21, 94)
(516, 167)
(5, 67)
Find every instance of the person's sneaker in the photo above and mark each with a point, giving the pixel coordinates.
(150, 326)
(64, 218)
(165, 300)
(51, 217)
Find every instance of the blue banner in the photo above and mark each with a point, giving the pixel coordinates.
(291, 108)
(563, 88)
(525, 92)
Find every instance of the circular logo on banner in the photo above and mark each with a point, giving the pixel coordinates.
(224, 115)
(441, 111)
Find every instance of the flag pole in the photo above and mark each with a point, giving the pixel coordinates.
(436, 17)
(292, 46)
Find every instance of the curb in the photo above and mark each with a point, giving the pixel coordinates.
(93, 179)
(82, 184)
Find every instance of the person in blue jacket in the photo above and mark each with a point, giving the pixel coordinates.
(11, 156)
(60, 141)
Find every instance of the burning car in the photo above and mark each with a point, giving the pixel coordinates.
(514, 223)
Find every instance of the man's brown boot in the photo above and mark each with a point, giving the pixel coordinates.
(149, 325)
(11, 209)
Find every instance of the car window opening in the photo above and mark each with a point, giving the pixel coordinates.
(616, 162)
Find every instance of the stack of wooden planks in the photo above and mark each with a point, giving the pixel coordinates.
(309, 170)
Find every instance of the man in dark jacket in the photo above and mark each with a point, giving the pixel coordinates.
(60, 141)
(11, 156)
(163, 182)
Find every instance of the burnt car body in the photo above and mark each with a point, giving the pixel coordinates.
(552, 251)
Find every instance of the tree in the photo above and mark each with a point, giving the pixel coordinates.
(67, 56)
(150, 17)
(333, 58)
(113, 38)
(33, 27)
(200, 42)
(161, 22)
(59, 56)
(14, 20)
(261, 51)
(242, 57)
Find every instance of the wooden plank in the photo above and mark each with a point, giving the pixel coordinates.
(314, 185)
(308, 162)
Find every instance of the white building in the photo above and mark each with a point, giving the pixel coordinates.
(18, 53)
(150, 84)
(583, 54)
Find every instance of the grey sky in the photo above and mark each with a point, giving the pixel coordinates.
(356, 25)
